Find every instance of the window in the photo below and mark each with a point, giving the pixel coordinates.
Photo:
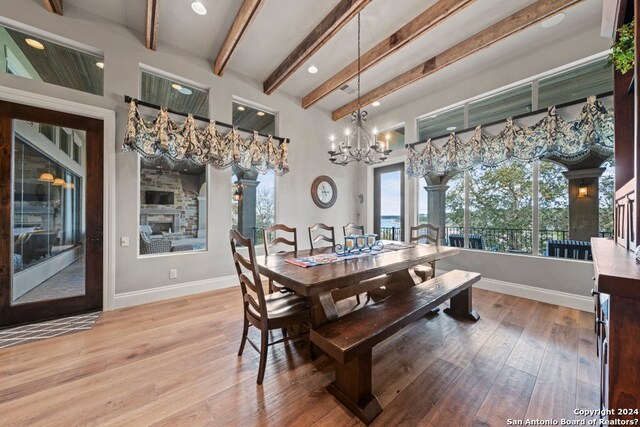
(423, 208)
(589, 79)
(505, 104)
(553, 204)
(173, 94)
(441, 123)
(394, 137)
(454, 208)
(64, 141)
(173, 207)
(36, 58)
(253, 201)
(606, 199)
(500, 208)
(48, 131)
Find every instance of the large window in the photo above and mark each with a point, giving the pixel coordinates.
(454, 208)
(423, 200)
(36, 58)
(441, 123)
(500, 208)
(174, 94)
(173, 207)
(393, 138)
(253, 200)
(553, 202)
(607, 191)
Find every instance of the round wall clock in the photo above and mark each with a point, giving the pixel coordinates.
(324, 192)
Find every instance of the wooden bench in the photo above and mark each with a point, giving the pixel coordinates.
(350, 339)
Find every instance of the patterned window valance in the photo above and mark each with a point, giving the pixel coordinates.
(552, 136)
(178, 143)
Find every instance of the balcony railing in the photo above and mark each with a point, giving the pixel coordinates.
(391, 233)
(514, 240)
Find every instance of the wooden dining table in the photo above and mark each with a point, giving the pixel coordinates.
(317, 282)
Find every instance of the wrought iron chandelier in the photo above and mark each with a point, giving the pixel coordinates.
(365, 146)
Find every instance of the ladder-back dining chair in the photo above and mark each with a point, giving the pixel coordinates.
(429, 234)
(265, 312)
(326, 234)
(353, 228)
(272, 239)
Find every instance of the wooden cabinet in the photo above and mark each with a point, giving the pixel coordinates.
(617, 325)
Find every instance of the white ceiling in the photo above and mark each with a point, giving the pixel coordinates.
(282, 24)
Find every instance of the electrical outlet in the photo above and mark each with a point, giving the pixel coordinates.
(173, 273)
(124, 241)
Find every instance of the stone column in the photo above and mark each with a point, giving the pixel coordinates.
(247, 207)
(436, 207)
(584, 212)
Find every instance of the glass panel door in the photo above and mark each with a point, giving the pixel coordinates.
(52, 180)
(388, 220)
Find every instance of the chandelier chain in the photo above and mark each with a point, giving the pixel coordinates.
(358, 62)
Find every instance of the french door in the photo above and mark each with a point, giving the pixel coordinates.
(51, 214)
(388, 202)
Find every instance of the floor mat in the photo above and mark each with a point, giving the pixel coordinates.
(49, 329)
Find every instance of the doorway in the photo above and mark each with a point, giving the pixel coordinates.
(51, 218)
(388, 202)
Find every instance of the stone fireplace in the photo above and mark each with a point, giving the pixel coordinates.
(161, 219)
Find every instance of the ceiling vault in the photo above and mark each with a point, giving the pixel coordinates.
(321, 34)
(54, 6)
(151, 24)
(422, 23)
(247, 12)
(509, 26)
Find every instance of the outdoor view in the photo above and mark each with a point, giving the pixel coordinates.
(391, 205)
(500, 206)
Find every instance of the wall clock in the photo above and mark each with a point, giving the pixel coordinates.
(324, 192)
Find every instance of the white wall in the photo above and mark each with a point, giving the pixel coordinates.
(124, 52)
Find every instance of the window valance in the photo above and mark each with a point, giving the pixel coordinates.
(552, 136)
(178, 143)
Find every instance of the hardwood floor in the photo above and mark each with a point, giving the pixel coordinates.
(175, 363)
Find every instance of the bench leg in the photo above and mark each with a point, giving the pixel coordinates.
(462, 306)
(352, 388)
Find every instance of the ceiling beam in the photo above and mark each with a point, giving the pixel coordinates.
(247, 12)
(509, 26)
(54, 6)
(321, 34)
(427, 20)
(151, 24)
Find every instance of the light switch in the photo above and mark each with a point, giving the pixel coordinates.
(124, 241)
(173, 273)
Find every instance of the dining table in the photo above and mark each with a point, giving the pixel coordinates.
(316, 283)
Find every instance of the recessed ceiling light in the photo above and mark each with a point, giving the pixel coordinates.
(376, 103)
(241, 108)
(260, 113)
(450, 128)
(199, 8)
(554, 20)
(312, 69)
(100, 64)
(34, 44)
(185, 91)
(176, 86)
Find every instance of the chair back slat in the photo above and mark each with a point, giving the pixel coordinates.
(321, 236)
(571, 249)
(426, 233)
(271, 239)
(353, 228)
(248, 275)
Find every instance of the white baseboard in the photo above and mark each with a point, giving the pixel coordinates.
(564, 299)
(145, 296)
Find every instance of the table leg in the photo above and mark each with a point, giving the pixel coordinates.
(352, 388)
(462, 306)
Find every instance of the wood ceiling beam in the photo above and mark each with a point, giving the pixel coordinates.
(321, 34)
(151, 24)
(247, 12)
(509, 26)
(427, 20)
(54, 6)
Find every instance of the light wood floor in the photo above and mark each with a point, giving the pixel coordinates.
(175, 363)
